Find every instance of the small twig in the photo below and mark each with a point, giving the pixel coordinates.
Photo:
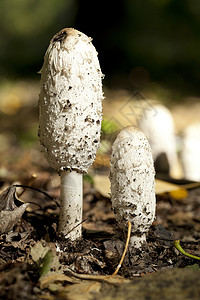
(77, 225)
(37, 190)
(181, 250)
(125, 249)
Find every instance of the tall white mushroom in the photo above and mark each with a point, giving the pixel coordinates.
(132, 179)
(158, 126)
(70, 114)
(190, 154)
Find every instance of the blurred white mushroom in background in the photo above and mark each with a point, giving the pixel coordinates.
(190, 154)
(158, 126)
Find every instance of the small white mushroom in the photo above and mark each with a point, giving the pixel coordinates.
(132, 179)
(158, 126)
(190, 154)
(70, 114)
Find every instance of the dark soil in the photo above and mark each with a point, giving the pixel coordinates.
(101, 248)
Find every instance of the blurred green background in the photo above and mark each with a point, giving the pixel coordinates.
(149, 49)
(138, 41)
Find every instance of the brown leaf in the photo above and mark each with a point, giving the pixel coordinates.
(83, 291)
(9, 218)
(7, 199)
(9, 212)
(175, 190)
(56, 278)
(45, 255)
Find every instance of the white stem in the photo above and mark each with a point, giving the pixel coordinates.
(71, 198)
(137, 241)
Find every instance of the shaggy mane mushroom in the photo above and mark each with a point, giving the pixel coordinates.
(132, 179)
(70, 114)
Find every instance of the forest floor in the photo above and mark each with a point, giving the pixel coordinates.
(36, 263)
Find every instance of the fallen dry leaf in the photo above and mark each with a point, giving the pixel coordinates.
(79, 286)
(57, 278)
(8, 219)
(10, 213)
(47, 260)
(167, 187)
(83, 291)
(7, 198)
(102, 184)
(87, 289)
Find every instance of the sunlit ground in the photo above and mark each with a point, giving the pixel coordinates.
(20, 152)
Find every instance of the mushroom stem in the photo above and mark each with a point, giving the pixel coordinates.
(136, 241)
(71, 197)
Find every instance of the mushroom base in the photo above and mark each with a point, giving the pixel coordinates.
(137, 241)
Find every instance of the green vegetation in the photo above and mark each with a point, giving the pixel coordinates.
(138, 41)
(26, 28)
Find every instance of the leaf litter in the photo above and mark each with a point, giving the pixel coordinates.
(36, 263)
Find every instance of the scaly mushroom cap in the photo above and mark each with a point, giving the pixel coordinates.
(132, 181)
(70, 102)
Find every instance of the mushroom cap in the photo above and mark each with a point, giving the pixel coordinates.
(132, 179)
(70, 102)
